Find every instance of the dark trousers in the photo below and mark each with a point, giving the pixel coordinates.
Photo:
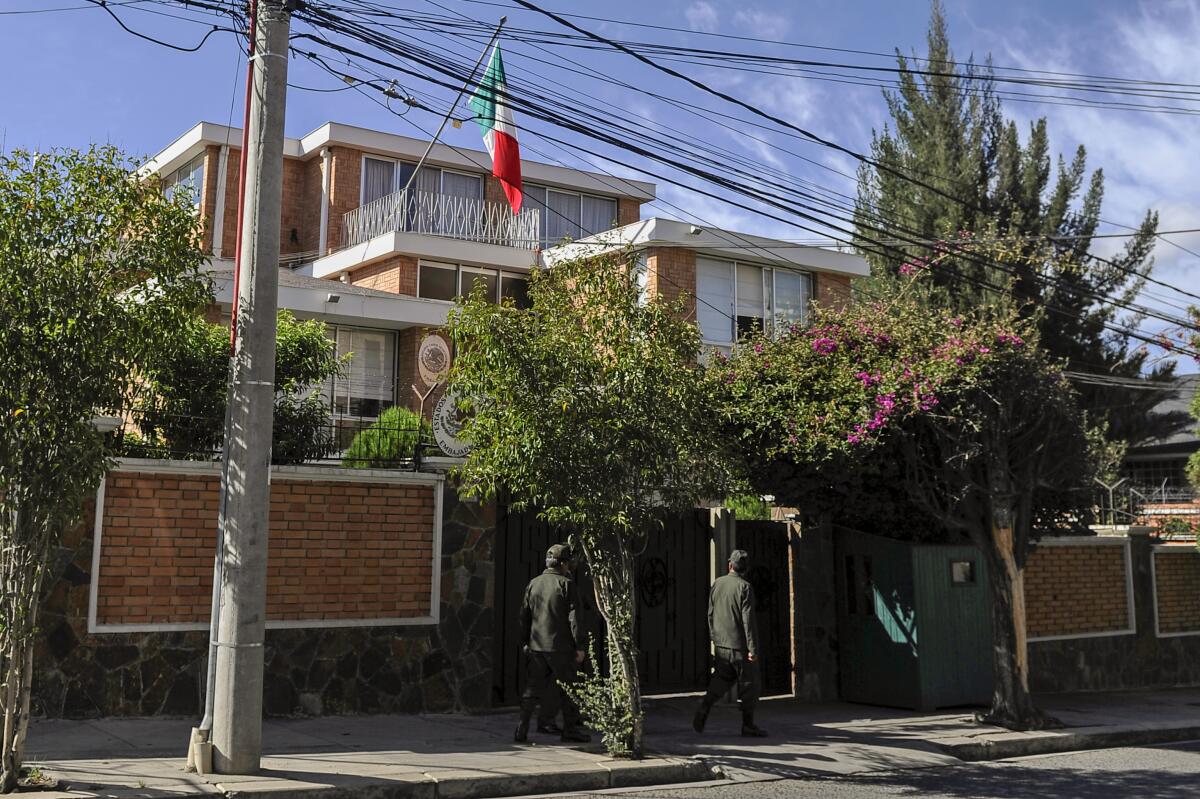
(543, 673)
(730, 667)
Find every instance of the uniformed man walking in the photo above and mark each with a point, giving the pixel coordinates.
(551, 633)
(734, 633)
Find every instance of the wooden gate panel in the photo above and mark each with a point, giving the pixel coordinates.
(767, 544)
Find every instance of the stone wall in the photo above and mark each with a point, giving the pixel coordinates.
(338, 669)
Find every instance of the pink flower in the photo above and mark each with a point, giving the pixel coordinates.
(824, 346)
(909, 269)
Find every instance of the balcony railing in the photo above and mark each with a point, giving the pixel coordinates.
(447, 215)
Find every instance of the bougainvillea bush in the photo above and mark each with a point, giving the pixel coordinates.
(895, 416)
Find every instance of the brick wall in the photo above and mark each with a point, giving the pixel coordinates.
(295, 194)
(628, 211)
(345, 189)
(310, 205)
(208, 194)
(831, 291)
(1076, 589)
(397, 274)
(671, 271)
(337, 551)
(409, 373)
(1177, 589)
(230, 220)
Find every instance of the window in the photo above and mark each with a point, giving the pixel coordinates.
(564, 214)
(189, 177)
(445, 282)
(962, 572)
(369, 384)
(383, 176)
(733, 299)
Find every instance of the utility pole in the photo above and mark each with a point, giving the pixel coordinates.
(245, 475)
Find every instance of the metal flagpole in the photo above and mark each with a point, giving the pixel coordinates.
(457, 100)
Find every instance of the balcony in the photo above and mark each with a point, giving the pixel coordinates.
(447, 215)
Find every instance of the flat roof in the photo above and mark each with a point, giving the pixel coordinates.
(191, 143)
(710, 242)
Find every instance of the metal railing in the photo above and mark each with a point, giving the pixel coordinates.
(446, 215)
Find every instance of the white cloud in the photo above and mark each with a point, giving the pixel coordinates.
(763, 24)
(702, 16)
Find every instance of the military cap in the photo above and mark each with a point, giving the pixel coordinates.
(740, 558)
(559, 552)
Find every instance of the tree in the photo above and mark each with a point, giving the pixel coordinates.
(962, 415)
(182, 414)
(98, 270)
(950, 163)
(395, 436)
(591, 408)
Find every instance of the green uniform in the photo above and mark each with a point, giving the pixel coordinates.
(733, 628)
(551, 633)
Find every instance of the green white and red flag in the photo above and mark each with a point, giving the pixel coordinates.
(495, 118)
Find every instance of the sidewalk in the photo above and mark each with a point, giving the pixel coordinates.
(365, 757)
(381, 757)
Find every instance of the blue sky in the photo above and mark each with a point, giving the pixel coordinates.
(75, 77)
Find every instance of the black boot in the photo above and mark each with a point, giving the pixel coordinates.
(750, 729)
(701, 717)
(521, 735)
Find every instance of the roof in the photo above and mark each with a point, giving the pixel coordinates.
(713, 242)
(1180, 401)
(205, 134)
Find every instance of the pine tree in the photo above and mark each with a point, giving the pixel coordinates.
(954, 165)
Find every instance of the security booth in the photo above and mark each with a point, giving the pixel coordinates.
(914, 623)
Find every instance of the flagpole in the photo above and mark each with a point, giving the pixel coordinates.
(454, 105)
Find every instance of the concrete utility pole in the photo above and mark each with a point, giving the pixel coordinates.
(245, 475)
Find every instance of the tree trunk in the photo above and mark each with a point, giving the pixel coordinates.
(612, 574)
(1012, 704)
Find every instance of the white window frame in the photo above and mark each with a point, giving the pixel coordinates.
(179, 175)
(768, 300)
(397, 162)
(332, 330)
(579, 195)
(459, 269)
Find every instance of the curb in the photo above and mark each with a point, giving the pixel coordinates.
(602, 776)
(1050, 742)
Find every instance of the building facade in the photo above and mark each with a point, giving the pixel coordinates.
(380, 252)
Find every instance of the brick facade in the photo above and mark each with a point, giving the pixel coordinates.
(671, 272)
(831, 291)
(397, 275)
(410, 374)
(1177, 589)
(230, 216)
(345, 189)
(375, 542)
(208, 194)
(628, 211)
(1076, 589)
(295, 191)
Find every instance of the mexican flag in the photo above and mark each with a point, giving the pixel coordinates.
(495, 118)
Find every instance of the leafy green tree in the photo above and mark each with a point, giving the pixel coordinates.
(948, 131)
(975, 427)
(183, 413)
(395, 436)
(590, 408)
(97, 271)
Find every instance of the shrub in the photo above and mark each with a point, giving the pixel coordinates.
(392, 438)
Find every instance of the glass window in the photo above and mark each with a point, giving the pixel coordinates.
(598, 214)
(792, 293)
(535, 197)
(515, 288)
(562, 216)
(457, 184)
(472, 278)
(962, 572)
(379, 179)
(189, 177)
(750, 305)
(368, 386)
(714, 300)
(437, 281)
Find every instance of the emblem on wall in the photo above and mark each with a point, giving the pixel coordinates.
(433, 358)
(447, 426)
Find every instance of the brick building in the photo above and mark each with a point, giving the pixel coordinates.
(382, 265)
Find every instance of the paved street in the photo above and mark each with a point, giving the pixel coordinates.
(1165, 772)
